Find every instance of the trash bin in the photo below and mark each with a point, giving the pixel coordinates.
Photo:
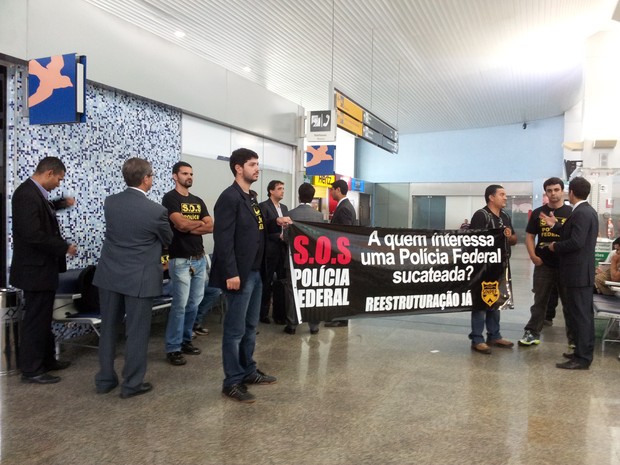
(9, 329)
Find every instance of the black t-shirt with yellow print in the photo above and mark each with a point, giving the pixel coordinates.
(185, 245)
(537, 226)
(258, 260)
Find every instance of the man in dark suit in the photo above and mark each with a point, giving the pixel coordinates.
(129, 276)
(39, 254)
(576, 252)
(303, 212)
(344, 214)
(275, 251)
(239, 242)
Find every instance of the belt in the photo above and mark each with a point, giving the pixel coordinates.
(195, 257)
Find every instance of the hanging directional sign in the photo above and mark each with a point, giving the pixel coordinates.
(355, 119)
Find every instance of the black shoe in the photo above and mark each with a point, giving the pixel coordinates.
(200, 330)
(176, 358)
(58, 365)
(568, 355)
(259, 378)
(44, 378)
(238, 392)
(188, 348)
(289, 330)
(143, 389)
(572, 365)
(105, 390)
(265, 319)
(336, 324)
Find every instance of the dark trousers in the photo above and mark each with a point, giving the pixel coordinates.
(138, 312)
(580, 317)
(553, 303)
(545, 284)
(36, 350)
(273, 288)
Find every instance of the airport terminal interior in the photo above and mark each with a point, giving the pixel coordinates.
(389, 390)
(467, 93)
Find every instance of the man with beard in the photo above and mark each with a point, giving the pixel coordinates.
(239, 244)
(189, 219)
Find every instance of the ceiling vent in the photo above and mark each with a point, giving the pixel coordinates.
(604, 144)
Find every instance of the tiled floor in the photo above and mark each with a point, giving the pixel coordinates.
(397, 390)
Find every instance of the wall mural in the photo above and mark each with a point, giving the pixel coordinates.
(119, 126)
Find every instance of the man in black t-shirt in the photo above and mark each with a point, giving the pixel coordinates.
(189, 219)
(546, 277)
(492, 216)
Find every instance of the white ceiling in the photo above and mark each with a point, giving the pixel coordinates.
(421, 65)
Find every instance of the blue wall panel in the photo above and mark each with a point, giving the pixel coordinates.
(502, 153)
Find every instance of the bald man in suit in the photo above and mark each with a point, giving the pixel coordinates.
(39, 254)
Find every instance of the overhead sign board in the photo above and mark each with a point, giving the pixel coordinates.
(353, 118)
(349, 107)
(349, 124)
(389, 145)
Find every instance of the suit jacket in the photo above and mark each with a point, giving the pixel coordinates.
(39, 251)
(576, 247)
(344, 214)
(236, 237)
(274, 247)
(305, 212)
(136, 230)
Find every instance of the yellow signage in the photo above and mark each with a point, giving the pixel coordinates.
(349, 107)
(324, 181)
(350, 124)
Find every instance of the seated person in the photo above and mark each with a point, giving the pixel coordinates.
(608, 271)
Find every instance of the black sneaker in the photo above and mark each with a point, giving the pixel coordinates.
(176, 358)
(188, 348)
(238, 392)
(260, 378)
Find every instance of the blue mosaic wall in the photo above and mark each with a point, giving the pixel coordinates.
(118, 126)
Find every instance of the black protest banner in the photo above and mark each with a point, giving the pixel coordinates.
(342, 271)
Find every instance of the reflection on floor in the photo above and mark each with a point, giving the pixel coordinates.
(397, 390)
